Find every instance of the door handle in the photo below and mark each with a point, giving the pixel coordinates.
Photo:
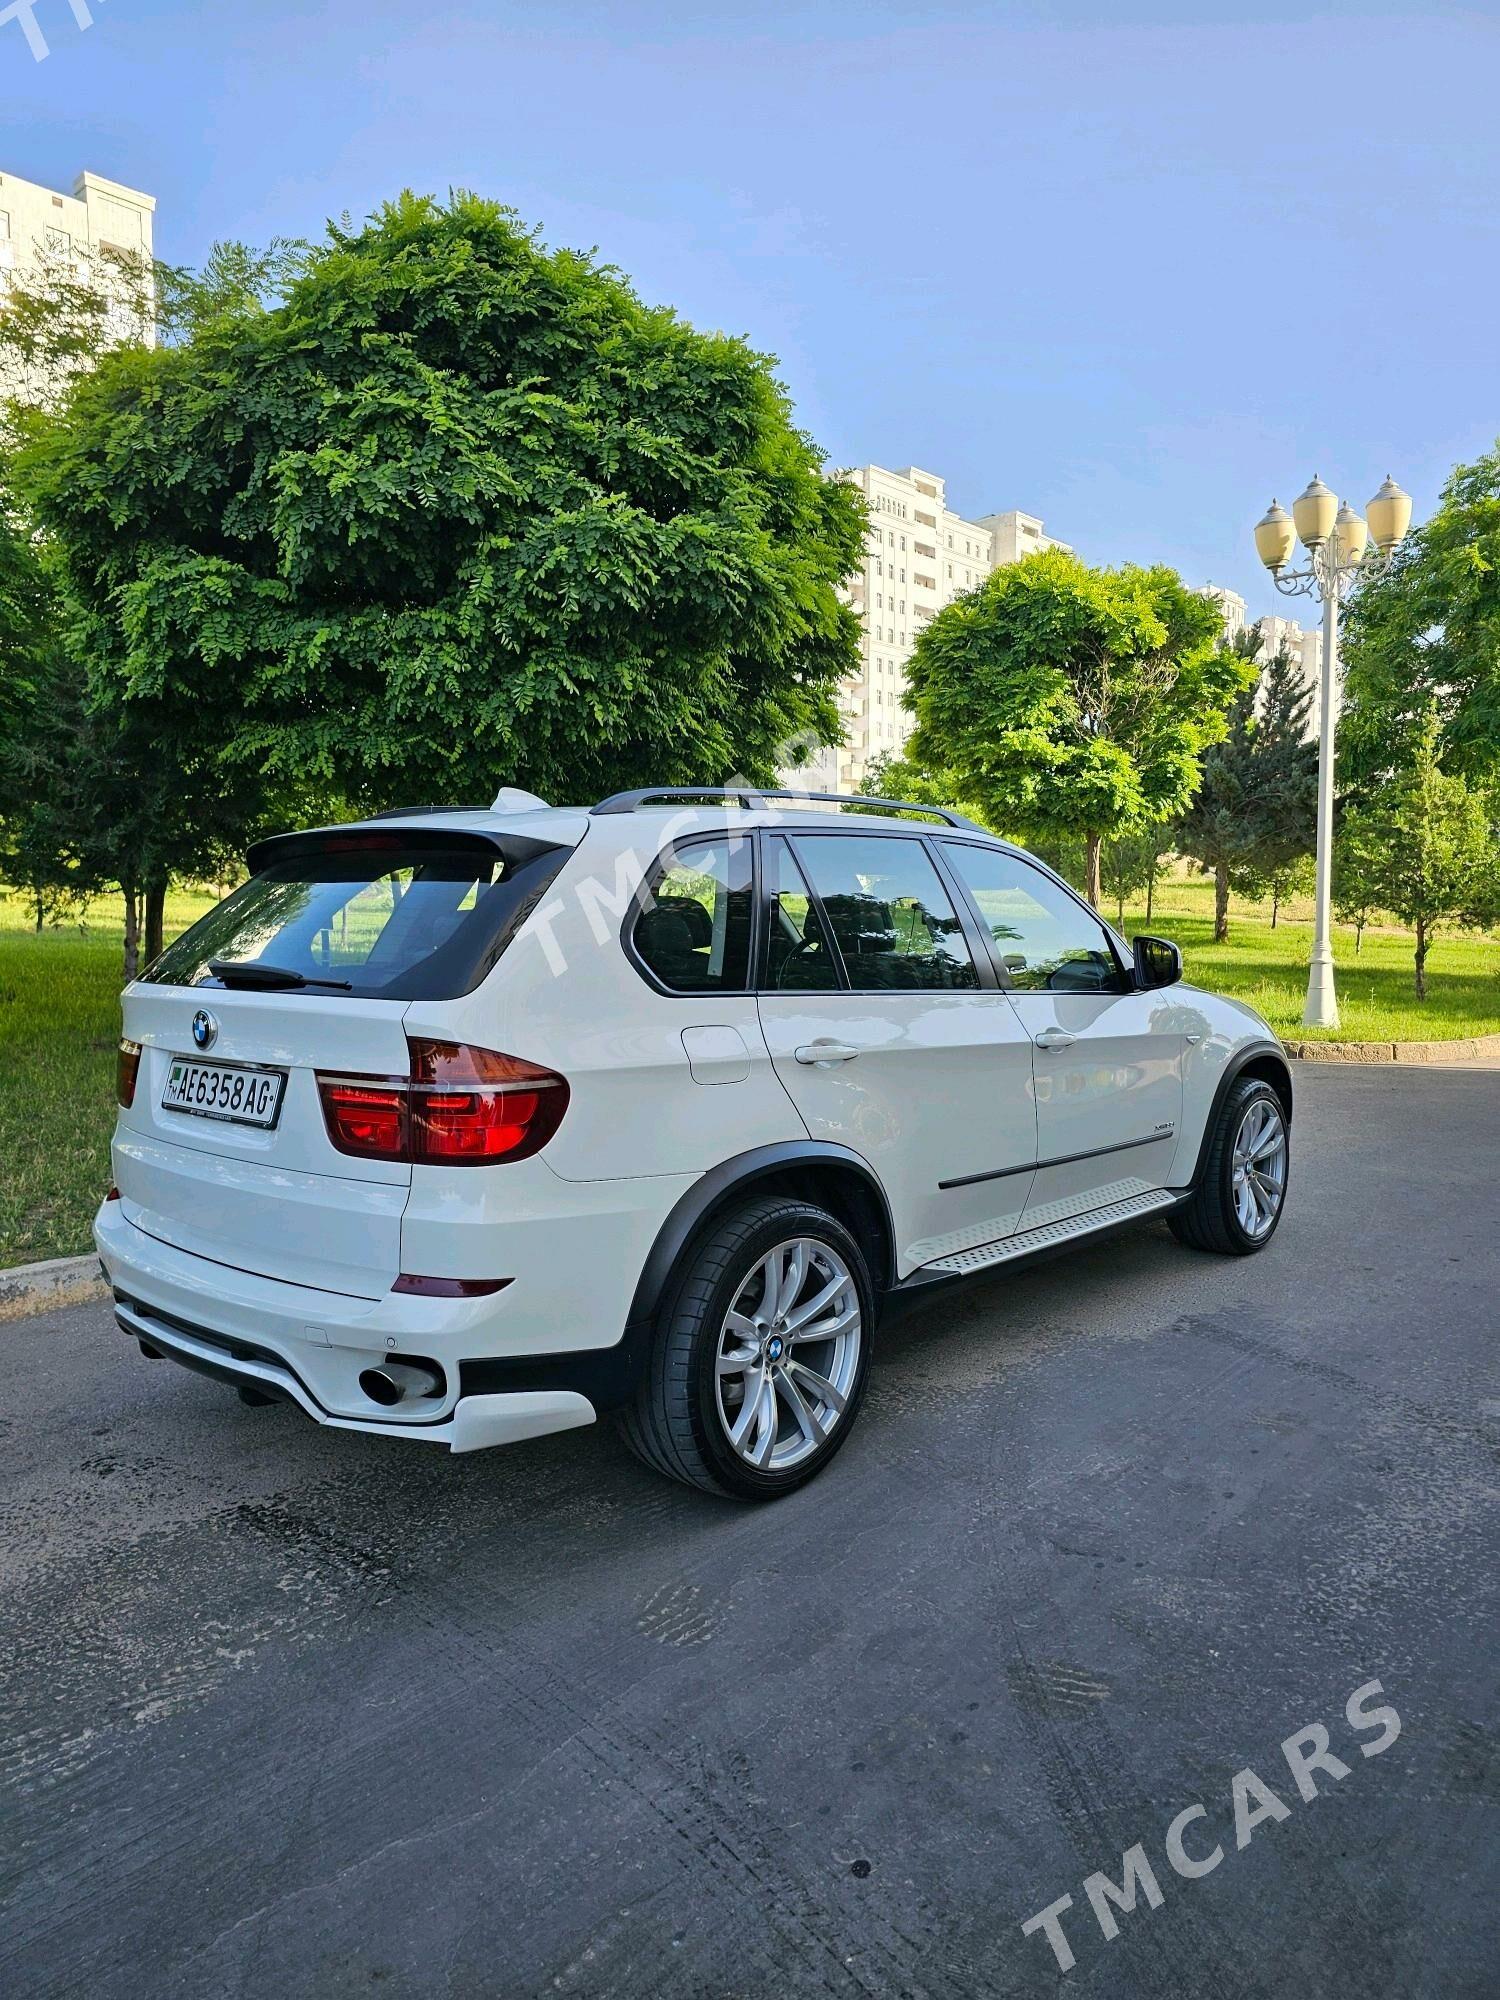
(1054, 1038)
(819, 1053)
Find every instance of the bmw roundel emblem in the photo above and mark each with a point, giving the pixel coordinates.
(205, 1029)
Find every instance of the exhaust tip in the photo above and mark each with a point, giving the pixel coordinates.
(380, 1388)
(396, 1381)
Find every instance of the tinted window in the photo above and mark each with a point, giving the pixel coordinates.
(693, 928)
(894, 921)
(798, 956)
(409, 916)
(1046, 940)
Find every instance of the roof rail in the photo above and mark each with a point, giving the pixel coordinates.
(748, 800)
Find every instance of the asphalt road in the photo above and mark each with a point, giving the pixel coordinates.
(286, 1713)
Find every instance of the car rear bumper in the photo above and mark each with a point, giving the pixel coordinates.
(289, 1342)
(475, 1423)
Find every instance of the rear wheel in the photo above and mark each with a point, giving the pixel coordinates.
(761, 1354)
(1237, 1203)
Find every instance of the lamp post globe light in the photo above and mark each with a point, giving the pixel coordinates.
(1342, 548)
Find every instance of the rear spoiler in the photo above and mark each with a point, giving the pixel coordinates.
(515, 849)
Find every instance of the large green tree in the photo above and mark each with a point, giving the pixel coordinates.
(95, 789)
(458, 511)
(25, 614)
(1425, 638)
(1070, 701)
(893, 776)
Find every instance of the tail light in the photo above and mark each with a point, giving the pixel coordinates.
(365, 1117)
(459, 1106)
(127, 1065)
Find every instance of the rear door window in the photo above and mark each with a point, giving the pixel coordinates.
(894, 922)
(414, 915)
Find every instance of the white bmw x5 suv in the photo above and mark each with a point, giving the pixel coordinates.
(463, 1126)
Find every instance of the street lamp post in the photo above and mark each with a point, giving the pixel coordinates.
(1342, 548)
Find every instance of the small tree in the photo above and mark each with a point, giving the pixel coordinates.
(1254, 819)
(1286, 879)
(1220, 826)
(1358, 871)
(1072, 702)
(1283, 799)
(1435, 851)
(42, 853)
(1132, 864)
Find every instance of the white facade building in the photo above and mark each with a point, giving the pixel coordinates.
(100, 222)
(919, 556)
(1015, 535)
(1305, 645)
(1231, 609)
(99, 216)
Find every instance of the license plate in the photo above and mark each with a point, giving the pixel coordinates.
(229, 1091)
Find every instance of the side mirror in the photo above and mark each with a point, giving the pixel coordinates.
(1158, 962)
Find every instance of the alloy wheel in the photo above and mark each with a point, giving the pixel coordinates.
(788, 1354)
(1259, 1168)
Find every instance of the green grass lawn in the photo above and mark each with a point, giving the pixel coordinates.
(59, 1025)
(1377, 1001)
(60, 1021)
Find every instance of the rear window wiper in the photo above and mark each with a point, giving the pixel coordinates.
(255, 972)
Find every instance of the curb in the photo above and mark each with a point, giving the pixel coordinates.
(39, 1288)
(1471, 1051)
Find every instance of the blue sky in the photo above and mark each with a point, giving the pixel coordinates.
(1132, 268)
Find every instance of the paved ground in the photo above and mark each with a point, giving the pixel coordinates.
(286, 1714)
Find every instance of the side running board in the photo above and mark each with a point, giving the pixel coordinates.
(961, 1262)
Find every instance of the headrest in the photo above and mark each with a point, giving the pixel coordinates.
(700, 924)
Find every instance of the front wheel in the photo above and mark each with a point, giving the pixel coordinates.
(761, 1354)
(1241, 1192)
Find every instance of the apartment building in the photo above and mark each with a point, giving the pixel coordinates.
(919, 556)
(99, 215)
(1015, 535)
(100, 221)
(1305, 645)
(1231, 609)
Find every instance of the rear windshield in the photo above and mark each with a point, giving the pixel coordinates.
(392, 917)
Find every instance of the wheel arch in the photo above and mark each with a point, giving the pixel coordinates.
(835, 1177)
(1261, 1060)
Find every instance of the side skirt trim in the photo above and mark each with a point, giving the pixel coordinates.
(1029, 1240)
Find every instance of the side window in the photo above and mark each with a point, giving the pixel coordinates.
(1046, 940)
(894, 921)
(693, 927)
(799, 957)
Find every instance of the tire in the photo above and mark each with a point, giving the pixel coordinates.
(687, 1412)
(1227, 1212)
